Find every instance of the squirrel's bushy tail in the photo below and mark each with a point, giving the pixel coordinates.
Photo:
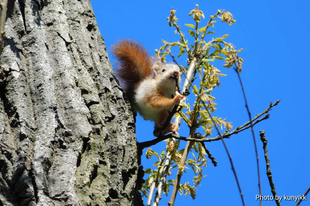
(134, 64)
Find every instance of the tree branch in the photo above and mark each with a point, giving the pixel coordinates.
(210, 156)
(237, 69)
(255, 120)
(268, 170)
(227, 152)
(179, 174)
(304, 195)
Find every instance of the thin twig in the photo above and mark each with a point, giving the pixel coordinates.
(210, 156)
(264, 112)
(268, 170)
(228, 154)
(175, 61)
(253, 135)
(303, 197)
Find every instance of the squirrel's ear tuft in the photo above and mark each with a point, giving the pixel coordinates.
(157, 67)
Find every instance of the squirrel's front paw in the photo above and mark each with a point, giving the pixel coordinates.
(177, 98)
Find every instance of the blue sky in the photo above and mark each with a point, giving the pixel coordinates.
(275, 39)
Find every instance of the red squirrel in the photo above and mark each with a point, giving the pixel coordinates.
(151, 87)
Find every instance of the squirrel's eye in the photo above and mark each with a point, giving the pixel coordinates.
(163, 70)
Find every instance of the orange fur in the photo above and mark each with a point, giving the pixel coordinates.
(157, 100)
(134, 64)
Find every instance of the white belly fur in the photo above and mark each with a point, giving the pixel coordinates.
(144, 90)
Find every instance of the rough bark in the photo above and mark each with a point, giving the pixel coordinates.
(66, 133)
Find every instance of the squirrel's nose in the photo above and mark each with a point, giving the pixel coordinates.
(175, 75)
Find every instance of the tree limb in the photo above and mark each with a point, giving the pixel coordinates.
(255, 120)
(268, 170)
(304, 195)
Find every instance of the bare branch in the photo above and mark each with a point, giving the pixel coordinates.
(237, 130)
(228, 154)
(304, 197)
(210, 156)
(237, 69)
(226, 134)
(268, 170)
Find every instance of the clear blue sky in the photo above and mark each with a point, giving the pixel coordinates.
(275, 39)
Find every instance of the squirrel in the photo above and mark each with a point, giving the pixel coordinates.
(151, 87)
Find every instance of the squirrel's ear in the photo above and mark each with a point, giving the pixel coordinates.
(157, 66)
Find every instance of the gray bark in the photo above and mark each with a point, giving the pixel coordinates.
(67, 136)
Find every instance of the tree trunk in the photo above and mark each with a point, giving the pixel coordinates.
(67, 136)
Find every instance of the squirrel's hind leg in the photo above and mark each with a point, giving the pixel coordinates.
(160, 123)
(172, 127)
